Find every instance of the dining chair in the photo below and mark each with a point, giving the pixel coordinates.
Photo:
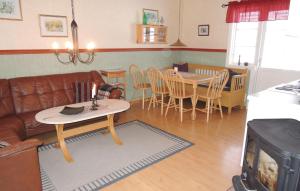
(139, 81)
(177, 90)
(158, 87)
(214, 93)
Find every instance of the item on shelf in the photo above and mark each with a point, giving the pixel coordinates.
(162, 21)
(150, 16)
(144, 19)
(151, 34)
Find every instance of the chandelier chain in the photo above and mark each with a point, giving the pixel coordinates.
(72, 5)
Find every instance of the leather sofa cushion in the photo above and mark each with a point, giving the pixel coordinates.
(42, 92)
(33, 127)
(13, 123)
(6, 102)
(9, 136)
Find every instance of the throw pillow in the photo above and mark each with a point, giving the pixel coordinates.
(3, 144)
(231, 74)
(105, 90)
(182, 67)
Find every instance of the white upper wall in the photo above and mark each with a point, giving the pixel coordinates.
(111, 23)
(201, 12)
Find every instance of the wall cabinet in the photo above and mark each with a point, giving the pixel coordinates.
(151, 34)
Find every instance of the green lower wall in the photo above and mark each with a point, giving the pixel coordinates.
(207, 58)
(41, 64)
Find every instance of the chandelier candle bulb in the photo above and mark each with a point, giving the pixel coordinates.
(91, 46)
(69, 45)
(55, 45)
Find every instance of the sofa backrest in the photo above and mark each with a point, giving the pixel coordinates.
(41, 92)
(6, 102)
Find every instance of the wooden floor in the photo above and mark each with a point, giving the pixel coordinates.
(207, 166)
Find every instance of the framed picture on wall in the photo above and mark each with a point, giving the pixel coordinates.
(150, 16)
(53, 26)
(203, 30)
(10, 9)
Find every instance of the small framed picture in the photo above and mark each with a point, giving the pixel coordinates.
(151, 16)
(53, 26)
(203, 30)
(10, 9)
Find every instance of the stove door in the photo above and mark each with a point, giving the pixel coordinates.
(271, 169)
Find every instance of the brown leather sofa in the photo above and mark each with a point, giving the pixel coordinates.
(20, 99)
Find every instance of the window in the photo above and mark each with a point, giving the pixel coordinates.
(244, 42)
(272, 44)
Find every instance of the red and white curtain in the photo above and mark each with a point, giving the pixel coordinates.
(257, 10)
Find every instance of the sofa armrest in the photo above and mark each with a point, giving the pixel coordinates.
(20, 169)
(19, 147)
(238, 82)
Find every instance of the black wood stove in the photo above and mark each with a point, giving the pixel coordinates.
(272, 156)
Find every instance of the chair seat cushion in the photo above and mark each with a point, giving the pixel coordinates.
(13, 123)
(231, 74)
(203, 85)
(226, 88)
(182, 67)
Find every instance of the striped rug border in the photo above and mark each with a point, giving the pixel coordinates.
(124, 172)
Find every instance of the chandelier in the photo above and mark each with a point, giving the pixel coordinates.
(73, 53)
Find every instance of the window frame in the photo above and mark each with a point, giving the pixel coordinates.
(260, 39)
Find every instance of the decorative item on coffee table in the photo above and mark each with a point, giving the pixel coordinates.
(94, 98)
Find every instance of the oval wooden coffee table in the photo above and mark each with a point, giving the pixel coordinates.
(107, 107)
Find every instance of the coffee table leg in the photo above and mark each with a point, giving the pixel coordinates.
(112, 130)
(62, 144)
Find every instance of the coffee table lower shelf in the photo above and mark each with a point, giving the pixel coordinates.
(62, 134)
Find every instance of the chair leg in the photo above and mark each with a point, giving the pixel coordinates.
(211, 106)
(143, 106)
(220, 107)
(168, 106)
(229, 110)
(151, 100)
(162, 105)
(181, 109)
(174, 100)
(208, 110)
(155, 101)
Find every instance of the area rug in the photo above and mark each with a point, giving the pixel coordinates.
(99, 162)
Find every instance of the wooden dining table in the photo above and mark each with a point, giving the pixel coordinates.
(195, 80)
